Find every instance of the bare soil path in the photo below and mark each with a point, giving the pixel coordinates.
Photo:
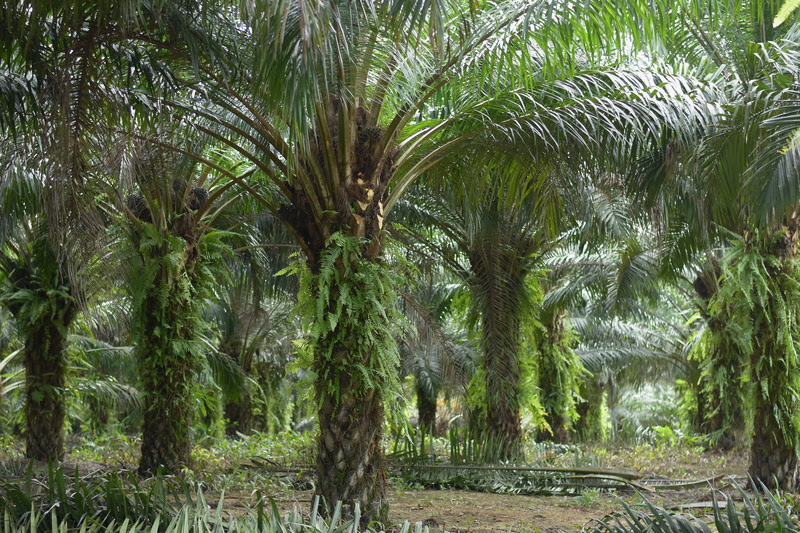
(461, 511)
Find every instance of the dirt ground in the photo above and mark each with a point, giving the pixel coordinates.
(446, 510)
(458, 511)
(461, 511)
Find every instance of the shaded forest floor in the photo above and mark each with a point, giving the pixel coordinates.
(239, 470)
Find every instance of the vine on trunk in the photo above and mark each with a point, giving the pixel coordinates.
(760, 294)
(348, 305)
(169, 283)
(560, 375)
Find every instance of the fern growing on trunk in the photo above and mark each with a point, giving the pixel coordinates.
(349, 306)
(761, 294)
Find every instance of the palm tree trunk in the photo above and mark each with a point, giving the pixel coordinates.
(239, 416)
(166, 377)
(426, 407)
(500, 344)
(350, 295)
(715, 381)
(350, 461)
(166, 327)
(498, 283)
(773, 461)
(589, 426)
(724, 392)
(45, 368)
(239, 412)
(355, 360)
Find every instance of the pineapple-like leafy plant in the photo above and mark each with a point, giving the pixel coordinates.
(759, 513)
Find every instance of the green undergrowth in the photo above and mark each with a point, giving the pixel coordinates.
(242, 465)
(282, 466)
(758, 512)
(118, 501)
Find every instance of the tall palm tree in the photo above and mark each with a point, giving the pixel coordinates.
(43, 305)
(40, 295)
(324, 100)
(493, 228)
(749, 197)
(65, 67)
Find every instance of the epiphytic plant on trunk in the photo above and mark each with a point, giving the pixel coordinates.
(41, 300)
(761, 288)
(326, 103)
(353, 322)
(174, 261)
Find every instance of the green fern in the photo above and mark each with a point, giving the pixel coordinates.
(349, 302)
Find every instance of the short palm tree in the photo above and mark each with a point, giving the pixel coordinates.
(440, 357)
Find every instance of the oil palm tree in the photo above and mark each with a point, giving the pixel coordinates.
(65, 67)
(631, 319)
(173, 259)
(328, 108)
(39, 295)
(746, 216)
(43, 306)
(492, 227)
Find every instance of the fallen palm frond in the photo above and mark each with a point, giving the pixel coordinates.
(671, 484)
(519, 479)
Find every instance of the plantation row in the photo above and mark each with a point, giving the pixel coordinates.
(520, 215)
